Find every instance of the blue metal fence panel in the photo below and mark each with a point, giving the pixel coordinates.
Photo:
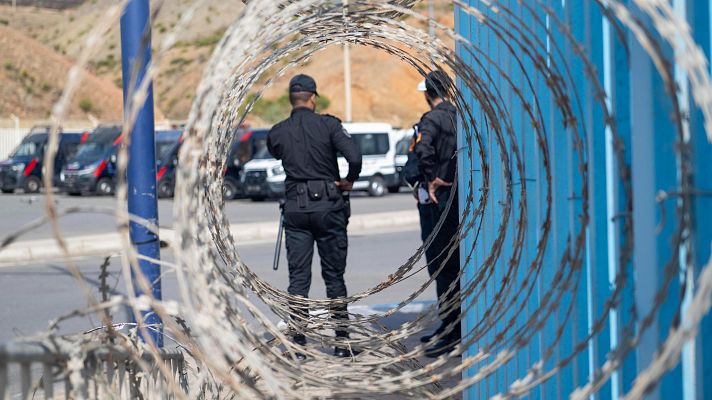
(594, 166)
(654, 171)
(700, 14)
(597, 238)
(617, 86)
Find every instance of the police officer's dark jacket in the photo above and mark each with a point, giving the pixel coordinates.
(437, 143)
(308, 144)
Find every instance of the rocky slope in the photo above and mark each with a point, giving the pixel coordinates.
(383, 86)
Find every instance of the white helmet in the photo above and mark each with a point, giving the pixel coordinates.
(422, 87)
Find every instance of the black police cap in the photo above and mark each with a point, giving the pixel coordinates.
(302, 83)
(437, 84)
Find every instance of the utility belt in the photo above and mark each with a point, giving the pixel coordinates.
(312, 193)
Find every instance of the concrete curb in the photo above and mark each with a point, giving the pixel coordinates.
(28, 252)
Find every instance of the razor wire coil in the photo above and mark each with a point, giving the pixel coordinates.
(221, 328)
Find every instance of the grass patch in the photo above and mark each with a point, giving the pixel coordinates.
(207, 41)
(109, 63)
(180, 61)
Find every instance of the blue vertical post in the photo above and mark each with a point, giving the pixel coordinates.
(598, 241)
(654, 140)
(141, 175)
(617, 83)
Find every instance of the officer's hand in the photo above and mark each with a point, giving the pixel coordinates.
(433, 187)
(345, 185)
(416, 187)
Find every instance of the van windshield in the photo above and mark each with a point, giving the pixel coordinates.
(262, 154)
(164, 148)
(29, 147)
(91, 152)
(252, 144)
(98, 144)
(371, 144)
(403, 146)
(26, 149)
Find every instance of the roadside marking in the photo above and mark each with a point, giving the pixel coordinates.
(250, 234)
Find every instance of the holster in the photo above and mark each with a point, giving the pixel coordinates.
(302, 195)
(332, 192)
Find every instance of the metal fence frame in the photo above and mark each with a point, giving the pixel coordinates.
(108, 363)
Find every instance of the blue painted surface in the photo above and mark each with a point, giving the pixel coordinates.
(599, 288)
(141, 173)
(699, 15)
(618, 93)
(638, 103)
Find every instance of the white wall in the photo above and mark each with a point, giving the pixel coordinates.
(9, 139)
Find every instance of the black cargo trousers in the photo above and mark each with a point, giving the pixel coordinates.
(437, 253)
(328, 230)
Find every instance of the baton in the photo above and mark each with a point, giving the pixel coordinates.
(280, 232)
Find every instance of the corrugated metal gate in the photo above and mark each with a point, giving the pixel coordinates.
(593, 248)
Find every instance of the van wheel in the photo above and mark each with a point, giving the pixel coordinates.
(394, 189)
(376, 187)
(229, 189)
(32, 184)
(165, 190)
(105, 187)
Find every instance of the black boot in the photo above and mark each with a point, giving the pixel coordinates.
(300, 340)
(345, 352)
(442, 346)
(426, 338)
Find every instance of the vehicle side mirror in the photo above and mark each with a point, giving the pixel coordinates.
(113, 158)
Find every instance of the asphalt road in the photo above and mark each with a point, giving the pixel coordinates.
(31, 296)
(19, 209)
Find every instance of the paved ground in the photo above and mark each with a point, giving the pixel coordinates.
(31, 296)
(16, 209)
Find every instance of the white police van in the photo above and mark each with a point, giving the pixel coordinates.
(264, 177)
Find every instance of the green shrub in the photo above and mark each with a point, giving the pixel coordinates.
(273, 111)
(86, 105)
(322, 103)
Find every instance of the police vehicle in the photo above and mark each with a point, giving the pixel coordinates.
(402, 149)
(248, 142)
(264, 176)
(249, 145)
(24, 169)
(93, 169)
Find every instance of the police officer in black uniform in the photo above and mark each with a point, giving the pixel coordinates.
(436, 151)
(315, 209)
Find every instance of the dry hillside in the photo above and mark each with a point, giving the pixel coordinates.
(32, 77)
(383, 86)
